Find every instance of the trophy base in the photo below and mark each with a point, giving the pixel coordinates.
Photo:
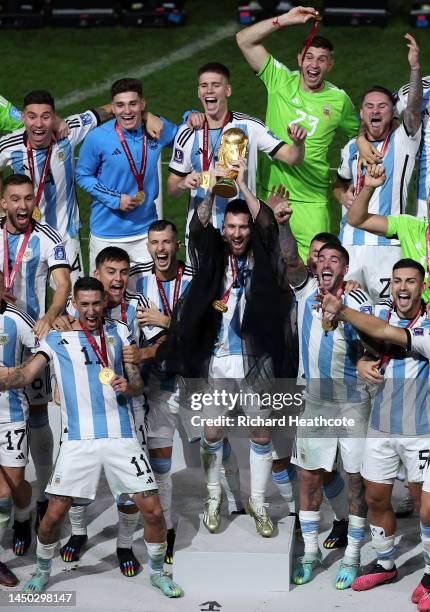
(225, 188)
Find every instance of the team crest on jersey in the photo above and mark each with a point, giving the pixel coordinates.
(418, 331)
(59, 252)
(326, 110)
(56, 480)
(86, 118)
(4, 338)
(366, 309)
(111, 340)
(61, 155)
(28, 254)
(152, 143)
(178, 156)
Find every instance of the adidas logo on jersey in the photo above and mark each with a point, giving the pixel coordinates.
(64, 341)
(150, 480)
(116, 152)
(20, 456)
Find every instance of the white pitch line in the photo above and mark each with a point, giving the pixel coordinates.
(145, 70)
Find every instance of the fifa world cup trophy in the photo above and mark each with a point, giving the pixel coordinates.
(233, 146)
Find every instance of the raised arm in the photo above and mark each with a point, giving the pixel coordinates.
(249, 39)
(293, 154)
(62, 282)
(412, 114)
(358, 214)
(252, 202)
(22, 375)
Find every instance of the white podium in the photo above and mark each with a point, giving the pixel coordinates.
(236, 559)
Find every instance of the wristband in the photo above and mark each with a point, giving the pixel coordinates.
(275, 22)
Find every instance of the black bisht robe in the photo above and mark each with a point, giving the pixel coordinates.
(269, 346)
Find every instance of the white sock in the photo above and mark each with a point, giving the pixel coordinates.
(5, 512)
(78, 520)
(260, 464)
(384, 546)
(336, 495)
(230, 479)
(21, 514)
(156, 553)
(161, 467)
(284, 483)
(211, 456)
(126, 528)
(45, 554)
(41, 449)
(425, 539)
(310, 523)
(356, 526)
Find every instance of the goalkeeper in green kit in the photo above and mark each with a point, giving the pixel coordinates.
(304, 97)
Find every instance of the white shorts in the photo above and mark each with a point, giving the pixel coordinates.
(79, 464)
(383, 455)
(39, 391)
(14, 444)
(375, 279)
(425, 454)
(282, 437)
(136, 249)
(313, 448)
(72, 246)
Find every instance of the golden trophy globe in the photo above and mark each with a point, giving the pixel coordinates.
(233, 146)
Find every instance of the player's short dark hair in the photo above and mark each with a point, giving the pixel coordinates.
(335, 246)
(112, 253)
(326, 237)
(124, 85)
(379, 89)
(410, 263)
(237, 207)
(88, 283)
(320, 42)
(161, 225)
(39, 96)
(214, 67)
(16, 179)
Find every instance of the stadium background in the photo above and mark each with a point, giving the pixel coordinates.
(66, 60)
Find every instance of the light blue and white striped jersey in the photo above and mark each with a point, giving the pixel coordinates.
(423, 177)
(329, 359)
(142, 278)
(59, 204)
(90, 409)
(229, 340)
(391, 197)
(44, 253)
(188, 156)
(402, 402)
(16, 333)
(133, 301)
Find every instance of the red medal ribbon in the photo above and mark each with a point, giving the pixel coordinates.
(207, 159)
(9, 276)
(311, 37)
(360, 176)
(124, 311)
(166, 306)
(43, 176)
(139, 176)
(100, 352)
(234, 270)
(385, 359)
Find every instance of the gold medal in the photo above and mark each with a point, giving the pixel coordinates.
(220, 306)
(140, 197)
(37, 215)
(106, 376)
(206, 179)
(328, 326)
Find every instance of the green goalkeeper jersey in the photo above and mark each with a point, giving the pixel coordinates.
(321, 113)
(10, 117)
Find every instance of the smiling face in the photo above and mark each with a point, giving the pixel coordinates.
(237, 232)
(314, 249)
(377, 112)
(213, 92)
(406, 287)
(91, 305)
(18, 203)
(39, 122)
(114, 277)
(163, 247)
(331, 269)
(127, 108)
(314, 66)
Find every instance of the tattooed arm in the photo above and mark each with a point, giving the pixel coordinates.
(204, 209)
(135, 382)
(22, 375)
(412, 114)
